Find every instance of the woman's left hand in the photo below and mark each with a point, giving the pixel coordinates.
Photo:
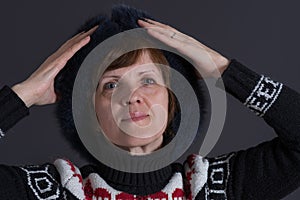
(207, 61)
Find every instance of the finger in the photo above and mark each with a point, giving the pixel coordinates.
(50, 75)
(78, 34)
(68, 53)
(78, 37)
(86, 33)
(170, 34)
(75, 36)
(165, 36)
(158, 28)
(91, 31)
(72, 39)
(65, 52)
(159, 24)
(147, 24)
(155, 22)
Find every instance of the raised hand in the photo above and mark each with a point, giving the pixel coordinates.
(207, 61)
(38, 89)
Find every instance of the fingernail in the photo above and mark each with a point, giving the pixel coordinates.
(144, 19)
(149, 21)
(141, 19)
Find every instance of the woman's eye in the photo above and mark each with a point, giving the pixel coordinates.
(148, 81)
(110, 85)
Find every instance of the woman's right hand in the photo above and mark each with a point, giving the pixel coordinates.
(38, 89)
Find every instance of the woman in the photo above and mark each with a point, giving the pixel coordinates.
(225, 177)
(138, 121)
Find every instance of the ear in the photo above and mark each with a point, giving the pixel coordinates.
(94, 99)
(98, 128)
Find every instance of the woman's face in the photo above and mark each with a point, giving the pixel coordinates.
(131, 105)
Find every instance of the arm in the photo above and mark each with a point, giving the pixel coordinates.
(12, 109)
(38, 89)
(270, 170)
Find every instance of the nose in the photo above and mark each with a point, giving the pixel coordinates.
(134, 98)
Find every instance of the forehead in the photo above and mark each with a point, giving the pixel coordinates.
(134, 70)
(143, 64)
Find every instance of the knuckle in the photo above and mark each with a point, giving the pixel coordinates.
(168, 26)
(61, 61)
(72, 49)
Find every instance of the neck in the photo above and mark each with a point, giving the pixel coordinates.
(145, 149)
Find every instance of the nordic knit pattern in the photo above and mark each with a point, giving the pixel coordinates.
(41, 182)
(268, 171)
(95, 187)
(263, 96)
(1, 133)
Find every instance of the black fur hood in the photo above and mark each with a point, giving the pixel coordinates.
(122, 18)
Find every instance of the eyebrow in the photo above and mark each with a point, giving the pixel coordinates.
(140, 73)
(144, 72)
(110, 76)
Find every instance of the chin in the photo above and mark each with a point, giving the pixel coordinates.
(132, 142)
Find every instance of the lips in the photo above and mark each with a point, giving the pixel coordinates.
(136, 116)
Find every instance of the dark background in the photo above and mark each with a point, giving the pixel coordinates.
(264, 35)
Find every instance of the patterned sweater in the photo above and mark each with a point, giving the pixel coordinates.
(270, 170)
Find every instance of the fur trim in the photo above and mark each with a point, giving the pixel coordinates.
(122, 18)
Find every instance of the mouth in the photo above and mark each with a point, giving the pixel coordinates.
(136, 116)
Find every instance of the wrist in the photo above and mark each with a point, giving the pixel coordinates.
(23, 94)
(223, 64)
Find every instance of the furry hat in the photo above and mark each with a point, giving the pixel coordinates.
(122, 18)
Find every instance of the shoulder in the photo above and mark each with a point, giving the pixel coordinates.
(208, 174)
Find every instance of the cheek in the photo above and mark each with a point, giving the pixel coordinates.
(103, 110)
(160, 96)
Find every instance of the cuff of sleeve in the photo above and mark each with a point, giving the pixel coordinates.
(257, 92)
(12, 109)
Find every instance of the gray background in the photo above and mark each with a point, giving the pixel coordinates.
(264, 35)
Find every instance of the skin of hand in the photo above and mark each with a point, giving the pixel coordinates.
(38, 89)
(207, 61)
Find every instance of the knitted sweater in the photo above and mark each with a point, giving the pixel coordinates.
(270, 170)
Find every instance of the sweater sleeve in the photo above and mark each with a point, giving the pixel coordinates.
(31, 182)
(25, 182)
(12, 109)
(271, 170)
